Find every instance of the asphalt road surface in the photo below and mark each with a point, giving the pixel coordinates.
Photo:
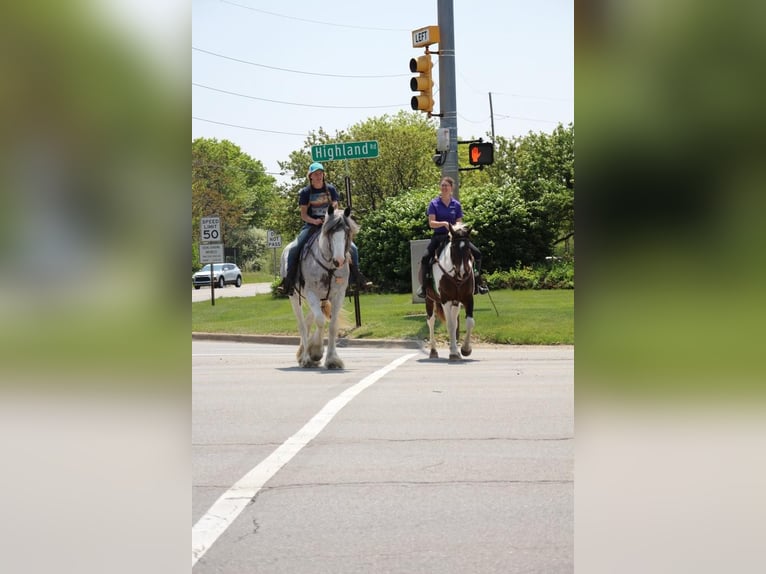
(397, 463)
(246, 290)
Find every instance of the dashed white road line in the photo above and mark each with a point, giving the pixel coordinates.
(226, 509)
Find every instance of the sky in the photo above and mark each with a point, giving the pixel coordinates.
(265, 74)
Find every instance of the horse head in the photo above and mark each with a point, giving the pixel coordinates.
(460, 251)
(337, 231)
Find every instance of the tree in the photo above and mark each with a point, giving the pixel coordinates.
(544, 172)
(506, 230)
(384, 239)
(541, 165)
(229, 183)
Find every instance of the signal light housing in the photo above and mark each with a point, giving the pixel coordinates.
(422, 83)
(482, 153)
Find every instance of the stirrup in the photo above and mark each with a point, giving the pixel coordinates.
(359, 280)
(421, 292)
(286, 287)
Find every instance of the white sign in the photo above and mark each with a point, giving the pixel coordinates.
(425, 36)
(442, 139)
(211, 253)
(210, 229)
(273, 239)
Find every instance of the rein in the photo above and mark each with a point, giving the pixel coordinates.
(330, 270)
(453, 277)
(458, 282)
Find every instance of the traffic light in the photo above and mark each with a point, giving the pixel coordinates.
(422, 83)
(481, 153)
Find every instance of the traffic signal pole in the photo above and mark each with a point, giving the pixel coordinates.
(447, 91)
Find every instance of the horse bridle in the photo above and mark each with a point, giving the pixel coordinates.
(454, 278)
(332, 229)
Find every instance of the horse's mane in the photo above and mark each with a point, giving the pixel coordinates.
(460, 229)
(338, 218)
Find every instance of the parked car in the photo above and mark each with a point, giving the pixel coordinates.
(223, 274)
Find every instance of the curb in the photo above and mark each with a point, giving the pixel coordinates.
(294, 340)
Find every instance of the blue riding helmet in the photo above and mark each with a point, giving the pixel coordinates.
(316, 166)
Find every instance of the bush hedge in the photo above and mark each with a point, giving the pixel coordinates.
(514, 240)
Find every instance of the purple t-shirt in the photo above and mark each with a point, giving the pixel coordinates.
(318, 200)
(451, 212)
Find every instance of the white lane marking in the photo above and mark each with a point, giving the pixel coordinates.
(226, 509)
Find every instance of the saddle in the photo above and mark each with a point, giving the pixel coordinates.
(313, 234)
(443, 241)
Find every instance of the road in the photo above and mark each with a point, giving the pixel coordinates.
(246, 290)
(397, 463)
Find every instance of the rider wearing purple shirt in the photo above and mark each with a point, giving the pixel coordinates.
(442, 212)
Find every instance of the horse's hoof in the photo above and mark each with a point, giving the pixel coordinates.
(466, 352)
(334, 364)
(454, 357)
(434, 354)
(316, 356)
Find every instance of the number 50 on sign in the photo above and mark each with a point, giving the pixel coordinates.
(210, 228)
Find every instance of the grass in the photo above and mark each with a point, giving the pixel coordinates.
(535, 317)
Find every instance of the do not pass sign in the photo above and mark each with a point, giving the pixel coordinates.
(273, 239)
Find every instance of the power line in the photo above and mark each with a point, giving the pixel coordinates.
(316, 21)
(532, 97)
(248, 128)
(296, 103)
(505, 117)
(494, 93)
(295, 71)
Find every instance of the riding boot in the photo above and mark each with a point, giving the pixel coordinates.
(357, 278)
(425, 277)
(287, 287)
(479, 285)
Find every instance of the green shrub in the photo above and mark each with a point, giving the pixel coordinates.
(511, 234)
(559, 275)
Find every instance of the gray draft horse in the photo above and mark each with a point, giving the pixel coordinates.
(322, 281)
(452, 287)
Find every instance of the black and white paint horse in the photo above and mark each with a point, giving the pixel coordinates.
(321, 283)
(451, 289)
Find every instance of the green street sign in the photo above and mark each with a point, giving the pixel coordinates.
(345, 150)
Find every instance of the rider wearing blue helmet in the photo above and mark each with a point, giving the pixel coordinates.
(314, 201)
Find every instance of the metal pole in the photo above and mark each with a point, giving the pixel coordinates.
(212, 288)
(357, 309)
(447, 92)
(492, 117)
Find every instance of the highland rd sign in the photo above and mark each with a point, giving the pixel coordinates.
(345, 150)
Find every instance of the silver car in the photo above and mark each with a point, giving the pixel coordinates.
(223, 274)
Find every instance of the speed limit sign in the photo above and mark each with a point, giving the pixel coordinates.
(210, 229)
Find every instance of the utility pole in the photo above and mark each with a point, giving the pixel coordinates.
(447, 90)
(492, 117)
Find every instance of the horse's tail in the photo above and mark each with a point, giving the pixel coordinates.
(326, 307)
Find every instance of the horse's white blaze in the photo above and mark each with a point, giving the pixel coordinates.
(337, 247)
